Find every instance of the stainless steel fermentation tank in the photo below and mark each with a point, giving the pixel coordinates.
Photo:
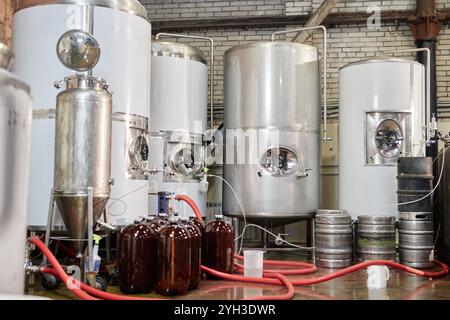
(272, 101)
(82, 152)
(15, 137)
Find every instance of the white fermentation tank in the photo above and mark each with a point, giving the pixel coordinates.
(272, 100)
(179, 94)
(15, 134)
(381, 114)
(124, 34)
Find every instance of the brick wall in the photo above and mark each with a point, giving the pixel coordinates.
(362, 5)
(347, 43)
(182, 9)
(5, 21)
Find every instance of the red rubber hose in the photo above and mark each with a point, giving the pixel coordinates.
(366, 264)
(340, 273)
(74, 284)
(59, 272)
(96, 292)
(285, 281)
(305, 268)
(192, 204)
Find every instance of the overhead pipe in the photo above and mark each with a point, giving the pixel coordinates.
(316, 19)
(88, 24)
(425, 26)
(430, 132)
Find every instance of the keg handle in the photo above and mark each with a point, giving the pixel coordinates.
(211, 67)
(325, 137)
(430, 124)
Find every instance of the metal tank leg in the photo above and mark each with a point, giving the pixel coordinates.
(313, 240)
(309, 233)
(86, 260)
(90, 228)
(48, 230)
(108, 237)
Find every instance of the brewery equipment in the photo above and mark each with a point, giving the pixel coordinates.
(334, 239)
(386, 121)
(124, 32)
(272, 125)
(179, 94)
(416, 239)
(82, 165)
(15, 135)
(375, 238)
(415, 184)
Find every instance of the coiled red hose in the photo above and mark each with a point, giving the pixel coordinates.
(98, 293)
(78, 287)
(73, 284)
(363, 265)
(305, 268)
(340, 273)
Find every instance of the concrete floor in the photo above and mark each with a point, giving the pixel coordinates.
(401, 286)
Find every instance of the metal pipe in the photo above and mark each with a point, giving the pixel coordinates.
(316, 19)
(427, 111)
(325, 76)
(211, 67)
(426, 6)
(48, 230)
(88, 24)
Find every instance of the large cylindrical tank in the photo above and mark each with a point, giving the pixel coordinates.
(179, 94)
(124, 34)
(15, 136)
(381, 114)
(82, 151)
(272, 125)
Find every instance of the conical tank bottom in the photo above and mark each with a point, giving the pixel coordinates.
(74, 212)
